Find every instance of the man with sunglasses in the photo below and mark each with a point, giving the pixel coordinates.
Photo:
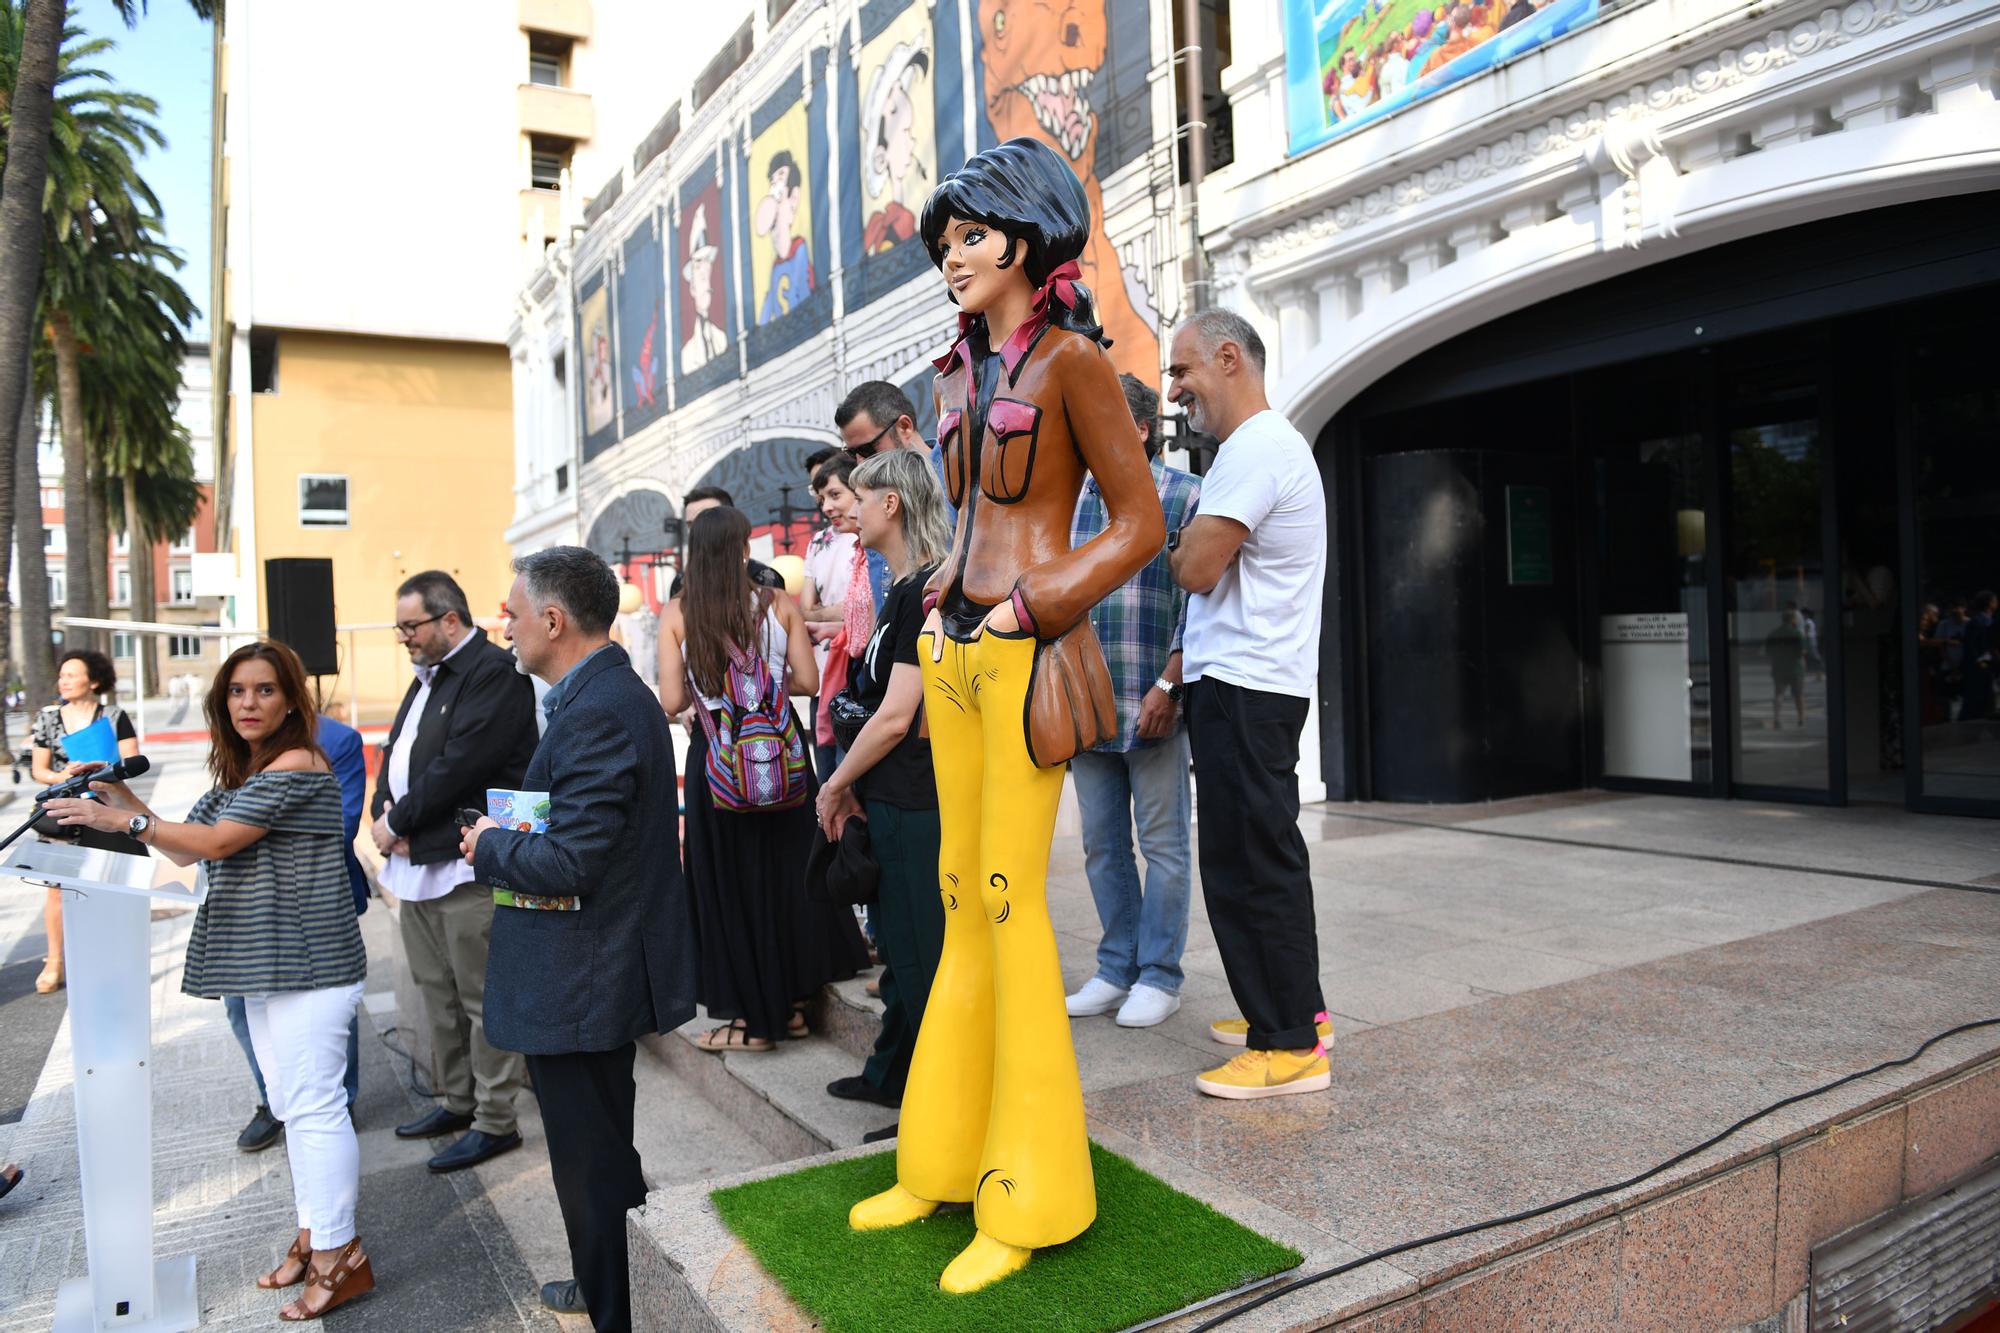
(876, 415)
(467, 723)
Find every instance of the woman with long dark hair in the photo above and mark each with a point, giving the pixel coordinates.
(1015, 683)
(765, 947)
(85, 678)
(277, 928)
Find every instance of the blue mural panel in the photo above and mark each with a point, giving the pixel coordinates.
(704, 304)
(597, 367)
(642, 327)
(784, 211)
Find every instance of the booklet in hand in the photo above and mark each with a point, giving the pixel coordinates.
(525, 812)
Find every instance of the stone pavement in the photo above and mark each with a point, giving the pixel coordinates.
(1530, 997)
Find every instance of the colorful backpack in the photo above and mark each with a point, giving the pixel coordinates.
(756, 756)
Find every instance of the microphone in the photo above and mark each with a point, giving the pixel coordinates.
(80, 784)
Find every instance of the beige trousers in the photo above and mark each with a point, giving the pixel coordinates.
(444, 940)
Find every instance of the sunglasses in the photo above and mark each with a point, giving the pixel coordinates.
(868, 448)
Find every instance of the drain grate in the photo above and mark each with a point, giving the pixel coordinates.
(1916, 1268)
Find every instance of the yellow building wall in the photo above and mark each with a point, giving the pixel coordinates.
(423, 433)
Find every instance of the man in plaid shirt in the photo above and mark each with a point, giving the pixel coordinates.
(1142, 776)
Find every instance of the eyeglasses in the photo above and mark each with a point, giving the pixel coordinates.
(408, 630)
(868, 449)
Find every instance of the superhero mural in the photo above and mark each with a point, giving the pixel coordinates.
(1050, 71)
(705, 352)
(600, 371)
(642, 327)
(784, 210)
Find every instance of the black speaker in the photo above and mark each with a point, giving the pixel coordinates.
(299, 594)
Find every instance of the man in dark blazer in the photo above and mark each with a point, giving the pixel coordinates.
(574, 983)
(467, 723)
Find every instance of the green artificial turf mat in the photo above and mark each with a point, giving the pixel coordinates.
(1152, 1250)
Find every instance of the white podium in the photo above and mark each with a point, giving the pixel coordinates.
(108, 959)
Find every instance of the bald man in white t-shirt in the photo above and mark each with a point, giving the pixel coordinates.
(1254, 565)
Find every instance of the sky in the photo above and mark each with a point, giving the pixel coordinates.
(168, 57)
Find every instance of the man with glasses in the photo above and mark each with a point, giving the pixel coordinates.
(467, 723)
(877, 415)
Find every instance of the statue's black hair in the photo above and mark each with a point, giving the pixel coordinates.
(1025, 191)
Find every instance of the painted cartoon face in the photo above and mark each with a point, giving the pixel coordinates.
(701, 283)
(1040, 58)
(973, 253)
(899, 135)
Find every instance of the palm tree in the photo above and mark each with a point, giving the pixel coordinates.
(30, 43)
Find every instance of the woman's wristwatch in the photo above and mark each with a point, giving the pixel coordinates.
(1170, 689)
(137, 826)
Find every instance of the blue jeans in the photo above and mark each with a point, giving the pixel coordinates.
(239, 1024)
(1144, 933)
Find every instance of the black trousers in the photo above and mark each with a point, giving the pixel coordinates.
(909, 930)
(1254, 872)
(587, 1102)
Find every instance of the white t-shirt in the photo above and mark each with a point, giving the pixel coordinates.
(829, 566)
(1258, 628)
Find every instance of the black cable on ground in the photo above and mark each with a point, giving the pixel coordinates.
(1585, 1197)
(418, 1083)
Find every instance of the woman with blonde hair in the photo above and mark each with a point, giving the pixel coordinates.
(277, 928)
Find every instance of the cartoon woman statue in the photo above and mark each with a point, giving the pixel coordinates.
(1014, 685)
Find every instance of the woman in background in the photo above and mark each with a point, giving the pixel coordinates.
(84, 680)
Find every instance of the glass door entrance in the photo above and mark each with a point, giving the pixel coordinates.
(1779, 633)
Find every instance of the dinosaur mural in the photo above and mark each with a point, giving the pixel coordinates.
(1039, 58)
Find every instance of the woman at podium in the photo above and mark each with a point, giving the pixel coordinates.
(277, 928)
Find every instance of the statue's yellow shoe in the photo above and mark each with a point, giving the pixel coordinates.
(982, 1263)
(891, 1208)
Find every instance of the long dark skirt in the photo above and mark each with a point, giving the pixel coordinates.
(764, 944)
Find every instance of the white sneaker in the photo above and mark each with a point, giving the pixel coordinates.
(1147, 1006)
(1098, 996)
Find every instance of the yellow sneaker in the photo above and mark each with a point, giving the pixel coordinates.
(1268, 1074)
(1236, 1031)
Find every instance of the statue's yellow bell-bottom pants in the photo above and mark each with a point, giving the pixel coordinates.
(993, 1112)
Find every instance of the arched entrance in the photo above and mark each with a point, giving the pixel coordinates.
(1677, 531)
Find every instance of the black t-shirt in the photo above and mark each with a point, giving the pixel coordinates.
(903, 778)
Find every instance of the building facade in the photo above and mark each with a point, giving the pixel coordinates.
(362, 384)
(760, 256)
(1641, 367)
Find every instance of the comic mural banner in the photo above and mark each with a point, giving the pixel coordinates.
(600, 373)
(891, 136)
(1349, 63)
(704, 318)
(784, 209)
(642, 327)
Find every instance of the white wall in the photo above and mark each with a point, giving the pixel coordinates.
(382, 171)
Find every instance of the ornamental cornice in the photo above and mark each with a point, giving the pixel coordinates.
(1562, 139)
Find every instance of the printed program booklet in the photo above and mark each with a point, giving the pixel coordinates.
(527, 812)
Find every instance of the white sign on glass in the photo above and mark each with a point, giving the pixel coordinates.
(1648, 705)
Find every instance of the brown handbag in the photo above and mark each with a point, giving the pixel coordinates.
(1071, 706)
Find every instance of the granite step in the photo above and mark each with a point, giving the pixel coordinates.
(848, 1016)
(778, 1097)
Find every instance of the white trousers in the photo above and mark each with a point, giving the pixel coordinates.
(301, 1043)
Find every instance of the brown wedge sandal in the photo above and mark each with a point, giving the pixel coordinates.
(349, 1277)
(300, 1254)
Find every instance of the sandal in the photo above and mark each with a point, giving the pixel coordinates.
(51, 978)
(798, 1027)
(731, 1036)
(10, 1176)
(349, 1277)
(300, 1254)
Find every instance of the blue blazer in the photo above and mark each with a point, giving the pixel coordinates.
(342, 744)
(623, 965)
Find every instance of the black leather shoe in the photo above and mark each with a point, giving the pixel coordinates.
(435, 1122)
(261, 1132)
(882, 1134)
(563, 1297)
(855, 1088)
(474, 1148)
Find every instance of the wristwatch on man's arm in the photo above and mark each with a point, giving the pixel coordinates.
(1172, 689)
